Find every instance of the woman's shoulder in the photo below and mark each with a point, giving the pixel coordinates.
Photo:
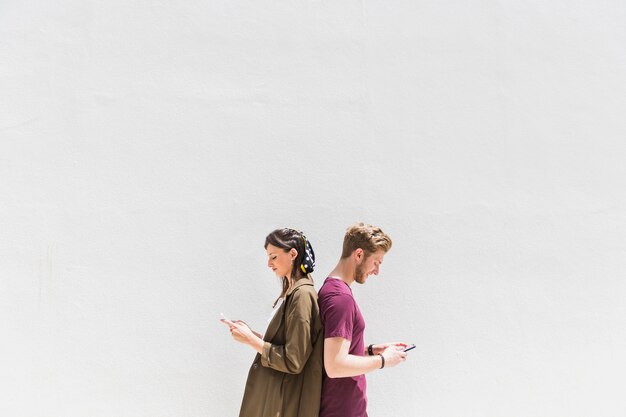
(304, 287)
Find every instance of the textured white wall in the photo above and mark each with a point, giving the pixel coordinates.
(147, 148)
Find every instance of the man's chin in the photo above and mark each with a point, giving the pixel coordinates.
(361, 279)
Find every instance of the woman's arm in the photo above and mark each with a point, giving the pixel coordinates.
(293, 355)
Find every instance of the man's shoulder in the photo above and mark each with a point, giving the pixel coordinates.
(335, 287)
(336, 297)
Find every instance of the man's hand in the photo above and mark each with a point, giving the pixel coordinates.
(380, 348)
(394, 354)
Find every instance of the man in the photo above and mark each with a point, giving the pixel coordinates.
(346, 359)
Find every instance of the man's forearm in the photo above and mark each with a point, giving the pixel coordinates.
(352, 365)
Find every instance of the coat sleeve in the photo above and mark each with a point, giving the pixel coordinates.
(291, 357)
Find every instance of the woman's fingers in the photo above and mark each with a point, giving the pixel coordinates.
(229, 323)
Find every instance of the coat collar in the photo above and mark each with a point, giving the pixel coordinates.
(275, 324)
(298, 284)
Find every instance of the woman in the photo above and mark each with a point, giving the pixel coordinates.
(285, 379)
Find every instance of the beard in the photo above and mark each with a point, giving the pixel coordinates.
(359, 275)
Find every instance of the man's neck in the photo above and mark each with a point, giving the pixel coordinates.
(343, 271)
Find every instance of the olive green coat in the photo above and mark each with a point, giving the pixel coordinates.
(286, 380)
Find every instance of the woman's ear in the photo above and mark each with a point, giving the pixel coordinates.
(293, 253)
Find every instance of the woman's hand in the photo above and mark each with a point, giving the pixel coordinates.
(243, 334)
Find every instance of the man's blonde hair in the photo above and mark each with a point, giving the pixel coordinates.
(367, 237)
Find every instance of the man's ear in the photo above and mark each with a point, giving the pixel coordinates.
(358, 254)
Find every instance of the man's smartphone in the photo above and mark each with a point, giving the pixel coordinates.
(409, 347)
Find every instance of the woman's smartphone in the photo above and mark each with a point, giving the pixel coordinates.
(409, 347)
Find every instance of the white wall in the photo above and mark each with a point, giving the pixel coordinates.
(147, 148)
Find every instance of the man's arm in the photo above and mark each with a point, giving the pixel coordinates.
(380, 348)
(339, 363)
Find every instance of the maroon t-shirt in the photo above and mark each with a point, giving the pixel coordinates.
(342, 397)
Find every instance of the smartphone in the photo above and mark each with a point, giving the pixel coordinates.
(409, 347)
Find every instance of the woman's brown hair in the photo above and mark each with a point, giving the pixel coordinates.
(287, 239)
